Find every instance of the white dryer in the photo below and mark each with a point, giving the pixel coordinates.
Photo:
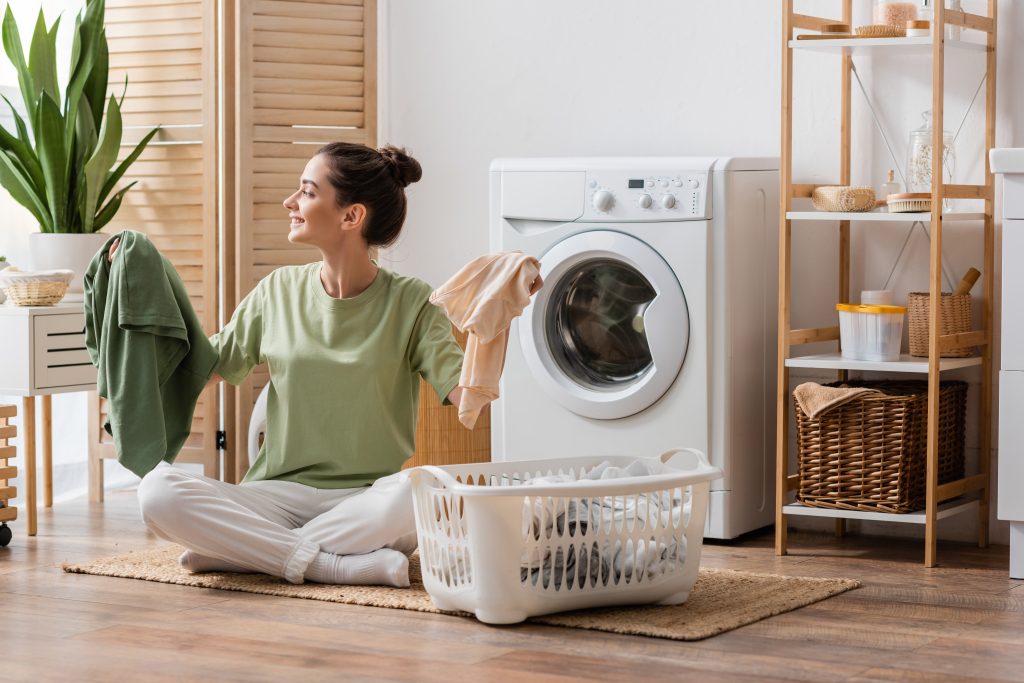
(656, 326)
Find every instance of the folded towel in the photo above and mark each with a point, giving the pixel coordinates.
(815, 399)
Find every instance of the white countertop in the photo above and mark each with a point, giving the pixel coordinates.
(1007, 160)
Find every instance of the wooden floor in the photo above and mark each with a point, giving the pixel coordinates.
(961, 622)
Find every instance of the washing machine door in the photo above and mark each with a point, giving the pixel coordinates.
(607, 334)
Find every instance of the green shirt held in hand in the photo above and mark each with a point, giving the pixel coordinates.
(148, 345)
(344, 373)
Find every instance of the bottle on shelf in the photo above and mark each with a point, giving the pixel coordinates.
(890, 186)
(925, 12)
(954, 32)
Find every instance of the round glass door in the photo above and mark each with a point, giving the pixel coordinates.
(607, 335)
(595, 324)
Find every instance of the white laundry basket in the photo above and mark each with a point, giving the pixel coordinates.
(491, 544)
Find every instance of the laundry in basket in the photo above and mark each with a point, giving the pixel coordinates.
(511, 540)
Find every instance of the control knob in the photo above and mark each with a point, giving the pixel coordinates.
(603, 200)
(668, 201)
(645, 201)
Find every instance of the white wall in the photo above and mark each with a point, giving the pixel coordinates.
(463, 83)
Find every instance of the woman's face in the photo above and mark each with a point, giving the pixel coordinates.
(315, 217)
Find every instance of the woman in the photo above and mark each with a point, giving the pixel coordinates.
(346, 343)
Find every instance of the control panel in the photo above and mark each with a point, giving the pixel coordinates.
(646, 196)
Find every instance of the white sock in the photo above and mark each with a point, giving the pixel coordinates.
(195, 563)
(384, 567)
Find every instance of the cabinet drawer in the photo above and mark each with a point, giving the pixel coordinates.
(1013, 195)
(61, 358)
(1013, 293)
(1011, 445)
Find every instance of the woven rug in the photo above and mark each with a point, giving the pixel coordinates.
(720, 601)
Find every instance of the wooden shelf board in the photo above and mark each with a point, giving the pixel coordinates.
(947, 509)
(859, 46)
(906, 363)
(883, 216)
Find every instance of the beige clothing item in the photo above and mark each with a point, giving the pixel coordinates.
(482, 299)
(815, 399)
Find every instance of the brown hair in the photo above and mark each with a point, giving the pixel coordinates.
(376, 178)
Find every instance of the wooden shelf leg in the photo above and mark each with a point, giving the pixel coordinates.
(28, 436)
(47, 451)
(988, 286)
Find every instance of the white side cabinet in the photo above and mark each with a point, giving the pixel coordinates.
(42, 352)
(1010, 162)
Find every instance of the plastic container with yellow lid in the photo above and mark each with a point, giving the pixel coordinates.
(869, 332)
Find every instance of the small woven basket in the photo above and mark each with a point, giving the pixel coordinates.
(36, 293)
(843, 198)
(871, 454)
(956, 318)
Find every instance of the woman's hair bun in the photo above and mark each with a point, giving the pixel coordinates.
(405, 169)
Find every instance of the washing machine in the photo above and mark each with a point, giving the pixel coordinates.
(656, 326)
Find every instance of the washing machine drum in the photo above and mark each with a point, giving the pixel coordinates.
(607, 335)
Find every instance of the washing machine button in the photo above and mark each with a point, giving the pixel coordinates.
(668, 201)
(645, 201)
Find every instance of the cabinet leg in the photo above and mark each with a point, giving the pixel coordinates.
(28, 436)
(95, 478)
(47, 451)
(840, 528)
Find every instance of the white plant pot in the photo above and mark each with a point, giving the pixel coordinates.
(73, 251)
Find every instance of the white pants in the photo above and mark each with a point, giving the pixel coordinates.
(276, 527)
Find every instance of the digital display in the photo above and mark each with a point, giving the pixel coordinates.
(635, 183)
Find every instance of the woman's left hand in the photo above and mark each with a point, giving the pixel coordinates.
(537, 284)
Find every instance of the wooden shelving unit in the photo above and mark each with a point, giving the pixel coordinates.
(971, 492)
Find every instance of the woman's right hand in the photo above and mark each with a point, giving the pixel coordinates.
(113, 248)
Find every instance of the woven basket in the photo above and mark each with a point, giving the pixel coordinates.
(956, 318)
(36, 293)
(843, 198)
(870, 454)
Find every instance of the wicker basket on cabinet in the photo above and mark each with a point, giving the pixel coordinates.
(870, 454)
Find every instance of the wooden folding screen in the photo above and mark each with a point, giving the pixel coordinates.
(304, 75)
(168, 51)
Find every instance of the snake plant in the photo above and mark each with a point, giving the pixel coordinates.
(60, 165)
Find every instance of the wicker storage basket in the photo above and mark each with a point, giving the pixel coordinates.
(36, 293)
(870, 454)
(843, 198)
(956, 318)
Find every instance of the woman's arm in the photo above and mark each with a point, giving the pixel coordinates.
(455, 396)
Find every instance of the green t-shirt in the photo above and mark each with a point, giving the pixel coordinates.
(344, 373)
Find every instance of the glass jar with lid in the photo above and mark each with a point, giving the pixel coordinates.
(894, 13)
(919, 158)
